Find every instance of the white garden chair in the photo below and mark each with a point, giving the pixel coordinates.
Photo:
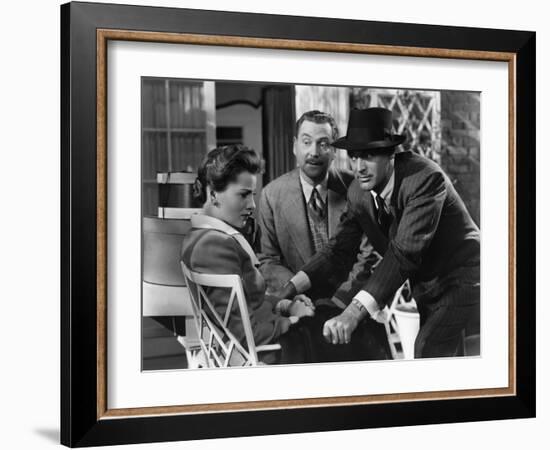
(216, 345)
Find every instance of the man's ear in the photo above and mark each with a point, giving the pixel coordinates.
(294, 146)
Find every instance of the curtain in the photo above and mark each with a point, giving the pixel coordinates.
(278, 121)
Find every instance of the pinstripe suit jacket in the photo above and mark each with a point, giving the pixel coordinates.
(433, 241)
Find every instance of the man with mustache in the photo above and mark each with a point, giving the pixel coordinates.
(414, 217)
(299, 211)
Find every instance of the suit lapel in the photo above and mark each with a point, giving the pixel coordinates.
(336, 204)
(294, 212)
(337, 192)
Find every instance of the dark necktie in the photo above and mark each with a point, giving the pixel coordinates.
(316, 205)
(383, 217)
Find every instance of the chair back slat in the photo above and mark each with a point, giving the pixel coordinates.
(218, 343)
(247, 329)
(229, 306)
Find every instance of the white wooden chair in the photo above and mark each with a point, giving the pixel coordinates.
(216, 345)
(397, 334)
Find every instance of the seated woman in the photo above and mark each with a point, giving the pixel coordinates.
(226, 185)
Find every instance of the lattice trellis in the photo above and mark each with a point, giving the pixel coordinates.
(417, 114)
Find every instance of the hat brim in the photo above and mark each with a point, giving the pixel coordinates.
(387, 144)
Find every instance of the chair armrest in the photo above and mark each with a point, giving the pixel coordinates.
(189, 343)
(268, 347)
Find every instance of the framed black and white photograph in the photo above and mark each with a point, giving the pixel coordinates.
(270, 231)
(183, 119)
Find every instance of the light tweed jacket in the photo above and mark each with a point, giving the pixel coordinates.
(286, 243)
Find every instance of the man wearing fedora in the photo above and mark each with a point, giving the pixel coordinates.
(413, 216)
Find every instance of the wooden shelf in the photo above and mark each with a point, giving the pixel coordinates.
(176, 178)
(177, 213)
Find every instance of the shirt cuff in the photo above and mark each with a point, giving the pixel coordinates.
(368, 302)
(301, 282)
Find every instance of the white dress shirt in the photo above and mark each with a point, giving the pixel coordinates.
(307, 188)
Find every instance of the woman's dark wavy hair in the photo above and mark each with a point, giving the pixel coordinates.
(222, 166)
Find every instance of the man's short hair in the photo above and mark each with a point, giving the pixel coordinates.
(317, 116)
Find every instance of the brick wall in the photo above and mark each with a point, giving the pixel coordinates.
(460, 145)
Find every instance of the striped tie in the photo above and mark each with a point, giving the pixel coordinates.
(316, 206)
(317, 221)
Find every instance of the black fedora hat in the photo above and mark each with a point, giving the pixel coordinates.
(369, 129)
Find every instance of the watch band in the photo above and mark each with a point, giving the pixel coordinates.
(359, 305)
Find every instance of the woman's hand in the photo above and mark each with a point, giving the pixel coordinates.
(305, 299)
(302, 306)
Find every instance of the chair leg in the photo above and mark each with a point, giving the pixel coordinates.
(391, 340)
(193, 352)
(190, 327)
(192, 359)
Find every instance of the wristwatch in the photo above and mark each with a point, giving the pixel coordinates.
(359, 306)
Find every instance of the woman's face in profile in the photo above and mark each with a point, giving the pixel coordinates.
(236, 203)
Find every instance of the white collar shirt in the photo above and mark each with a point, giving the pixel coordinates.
(307, 188)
